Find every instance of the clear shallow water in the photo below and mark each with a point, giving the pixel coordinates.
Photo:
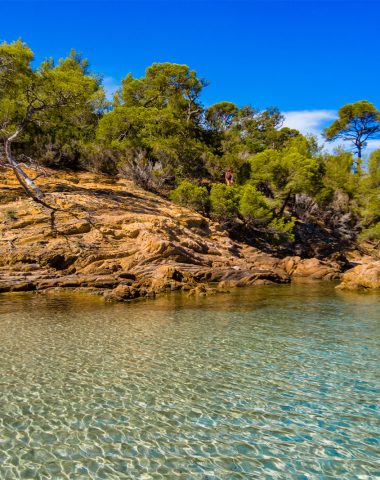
(269, 383)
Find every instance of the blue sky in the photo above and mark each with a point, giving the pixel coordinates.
(307, 57)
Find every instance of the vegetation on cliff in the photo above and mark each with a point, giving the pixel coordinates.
(282, 187)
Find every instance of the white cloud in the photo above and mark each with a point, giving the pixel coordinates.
(373, 145)
(312, 122)
(309, 121)
(110, 86)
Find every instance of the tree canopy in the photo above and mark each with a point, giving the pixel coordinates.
(47, 110)
(357, 123)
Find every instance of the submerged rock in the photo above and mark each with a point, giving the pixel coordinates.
(313, 269)
(121, 293)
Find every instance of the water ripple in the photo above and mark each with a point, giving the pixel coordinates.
(268, 383)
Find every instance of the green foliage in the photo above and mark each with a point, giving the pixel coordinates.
(159, 116)
(221, 115)
(288, 171)
(11, 215)
(284, 227)
(279, 138)
(257, 128)
(165, 86)
(16, 77)
(57, 106)
(224, 201)
(369, 203)
(372, 233)
(374, 169)
(253, 206)
(236, 133)
(368, 192)
(338, 173)
(68, 128)
(192, 196)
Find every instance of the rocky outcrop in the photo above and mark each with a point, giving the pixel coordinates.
(311, 269)
(114, 239)
(362, 277)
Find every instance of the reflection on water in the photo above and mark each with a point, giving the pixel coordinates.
(269, 382)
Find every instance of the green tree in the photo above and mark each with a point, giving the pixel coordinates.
(374, 169)
(221, 115)
(279, 138)
(51, 97)
(338, 175)
(165, 86)
(369, 193)
(59, 138)
(257, 128)
(239, 132)
(253, 206)
(224, 201)
(356, 123)
(283, 173)
(156, 126)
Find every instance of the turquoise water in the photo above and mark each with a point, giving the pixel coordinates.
(269, 382)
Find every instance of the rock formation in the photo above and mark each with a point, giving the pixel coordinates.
(364, 276)
(112, 238)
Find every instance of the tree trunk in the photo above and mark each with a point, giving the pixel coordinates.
(358, 163)
(31, 189)
(285, 202)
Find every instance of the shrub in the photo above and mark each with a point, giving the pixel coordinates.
(253, 206)
(11, 214)
(97, 159)
(224, 201)
(191, 196)
(371, 233)
(283, 227)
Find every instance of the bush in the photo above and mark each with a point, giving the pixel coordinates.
(98, 159)
(253, 206)
(224, 201)
(11, 214)
(136, 165)
(191, 196)
(283, 227)
(371, 233)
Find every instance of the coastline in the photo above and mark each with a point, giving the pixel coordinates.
(114, 239)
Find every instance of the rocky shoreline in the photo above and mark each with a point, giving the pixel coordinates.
(114, 239)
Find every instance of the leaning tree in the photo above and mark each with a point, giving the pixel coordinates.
(30, 97)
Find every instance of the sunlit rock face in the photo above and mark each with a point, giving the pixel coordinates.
(365, 276)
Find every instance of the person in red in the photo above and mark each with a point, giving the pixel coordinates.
(229, 177)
